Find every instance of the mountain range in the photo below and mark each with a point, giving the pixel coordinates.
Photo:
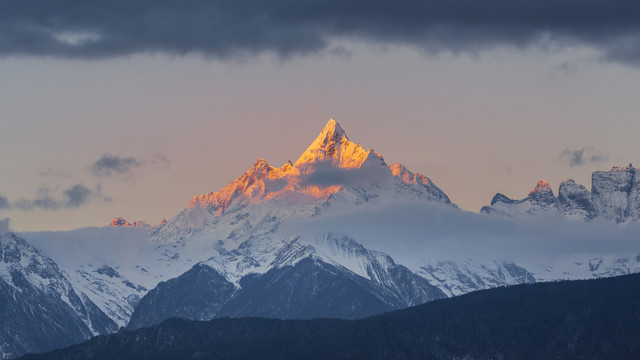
(337, 233)
(614, 196)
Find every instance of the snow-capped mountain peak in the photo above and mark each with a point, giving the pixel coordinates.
(539, 201)
(332, 145)
(332, 162)
(248, 183)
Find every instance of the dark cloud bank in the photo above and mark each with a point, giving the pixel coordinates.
(227, 28)
(108, 165)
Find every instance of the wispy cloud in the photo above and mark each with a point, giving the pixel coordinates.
(225, 29)
(109, 165)
(43, 200)
(51, 172)
(582, 156)
(160, 159)
(73, 197)
(4, 203)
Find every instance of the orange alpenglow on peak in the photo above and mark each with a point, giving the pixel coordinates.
(292, 182)
(624, 168)
(262, 181)
(541, 186)
(332, 144)
(407, 176)
(121, 222)
(248, 183)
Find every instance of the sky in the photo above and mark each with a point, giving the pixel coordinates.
(131, 109)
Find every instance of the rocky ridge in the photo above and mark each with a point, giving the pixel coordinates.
(614, 196)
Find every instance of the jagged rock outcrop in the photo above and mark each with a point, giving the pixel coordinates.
(575, 201)
(615, 196)
(122, 222)
(539, 201)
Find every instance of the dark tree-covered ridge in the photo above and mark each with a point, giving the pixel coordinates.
(589, 319)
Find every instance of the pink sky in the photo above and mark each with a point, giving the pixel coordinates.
(475, 125)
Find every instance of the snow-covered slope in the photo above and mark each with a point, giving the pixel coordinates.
(300, 273)
(40, 309)
(461, 277)
(112, 266)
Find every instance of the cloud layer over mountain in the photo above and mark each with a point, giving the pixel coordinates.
(413, 231)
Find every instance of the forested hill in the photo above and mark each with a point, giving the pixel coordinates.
(591, 319)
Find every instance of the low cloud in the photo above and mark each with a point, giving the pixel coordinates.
(583, 156)
(109, 165)
(413, 233)
(75, 196)
(325, 174)
(228, 29)
(333, 176)
(125, 247)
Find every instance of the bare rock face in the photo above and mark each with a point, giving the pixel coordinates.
(616, 194)
(575, 201)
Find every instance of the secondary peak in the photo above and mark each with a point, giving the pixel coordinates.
(541, 188)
